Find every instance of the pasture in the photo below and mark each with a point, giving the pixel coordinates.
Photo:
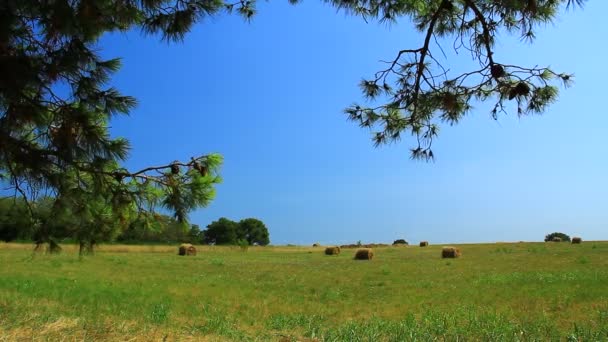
(497, 292)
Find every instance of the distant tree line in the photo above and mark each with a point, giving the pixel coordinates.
(51, 220)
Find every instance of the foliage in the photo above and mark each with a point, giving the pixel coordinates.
(564, 237)
(254, 232)
(243, 244)
(221, 232)
(56, 104)
(195, 235)
(159, 228)
(68, 219)
(35, 221)
(55, 108)
(400, 242)
(14, 216)
(417, 90)
(248, 231)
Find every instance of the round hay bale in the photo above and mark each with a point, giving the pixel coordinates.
(332, 250)
(450, 252)
(187, 249)
(557, 239)
(424, 243)
(364, 254)
(577, 240)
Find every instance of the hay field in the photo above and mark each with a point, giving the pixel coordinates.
(493, 292)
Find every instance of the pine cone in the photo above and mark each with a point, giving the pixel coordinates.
(521, 89)
(497, 71)
(119, 176)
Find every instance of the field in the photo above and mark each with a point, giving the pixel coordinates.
(494, 292)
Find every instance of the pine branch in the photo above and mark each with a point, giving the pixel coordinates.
(424, 51)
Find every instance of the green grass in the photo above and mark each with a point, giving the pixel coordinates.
(506, 292)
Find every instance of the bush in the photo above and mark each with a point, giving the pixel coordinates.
(243, 244)
(400, 242)
(562, 236)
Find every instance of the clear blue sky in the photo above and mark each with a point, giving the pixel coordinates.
(268, 95)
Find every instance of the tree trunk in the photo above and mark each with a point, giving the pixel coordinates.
(86, 247)
(92, 244)
(54, 247)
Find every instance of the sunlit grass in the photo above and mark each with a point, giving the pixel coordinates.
(519, 291)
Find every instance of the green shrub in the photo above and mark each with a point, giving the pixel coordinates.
(243, 244)
(562, 236)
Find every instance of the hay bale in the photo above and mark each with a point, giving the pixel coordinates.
(315, 245)
(450, 252)
(424, 243)
(364, 254)
(187, 249)
(332, 250)
(557, 239)
(577, 240)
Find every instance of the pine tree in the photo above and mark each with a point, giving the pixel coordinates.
(56, 104)
(417, 92)
(55, 107)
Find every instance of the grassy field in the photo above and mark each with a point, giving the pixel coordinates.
(494, 292)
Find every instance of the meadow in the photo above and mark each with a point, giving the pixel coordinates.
(494, 292)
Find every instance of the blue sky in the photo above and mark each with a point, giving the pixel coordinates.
(268, 95)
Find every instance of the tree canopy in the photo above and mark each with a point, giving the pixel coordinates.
(417, 92)
(56, 105)
(56, 102)
(254, 232)
(562, 236)
(221, 232)
(248, 231)
(88, 225)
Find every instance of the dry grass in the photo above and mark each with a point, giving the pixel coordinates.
(375, 245)
(71, 329)
(69, 249)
